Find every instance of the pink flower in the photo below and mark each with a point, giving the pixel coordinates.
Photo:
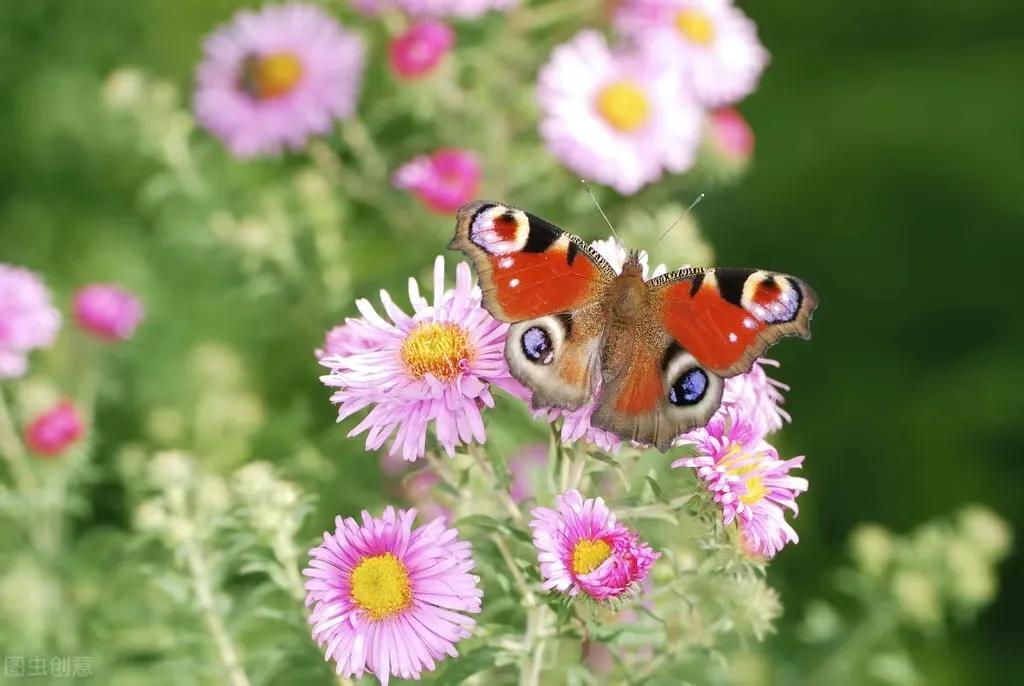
(107, 311)
(711, 44)
(748, 480)
(54, 431)
(581, 547)
(619, 118)
(463, 9)
(756, 397)
(420, 489)
(730, 136)
(526, 467)
(390, 599)
(273, 77)
(352, 337)
(433, 368)
(27, 318)
(443, 181)
(420, 49)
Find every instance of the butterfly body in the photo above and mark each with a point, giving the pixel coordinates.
(653, 353)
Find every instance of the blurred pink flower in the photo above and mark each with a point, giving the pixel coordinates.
(730, 136)
(351, 337)
(107, 311)
(581, 547)
(273, 77)
(433, 368)
(618, 118)
(712, 44)
(462, 9)
(27, 318)
(420, 49)
(527, 467)
(443, 181)
(55, 430)
(748, 480)
(419, 488)
(388, 598)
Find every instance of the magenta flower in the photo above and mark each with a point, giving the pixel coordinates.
(443, 181)
(747, 479)
(711, 44)
(581, 547)
(730, 136)
(420, 49)
(352, 337)
(433, 368)
(390, 599)
(55, 430)
(107, 311)
(27, 318)
(273, 77)
(619, 118)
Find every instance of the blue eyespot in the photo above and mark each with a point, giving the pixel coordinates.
(689, 388)
(537, 345)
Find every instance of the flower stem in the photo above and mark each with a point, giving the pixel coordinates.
(536, 644)
(529, 599)
(14, 451)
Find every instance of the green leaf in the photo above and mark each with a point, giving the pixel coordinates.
(473, 662)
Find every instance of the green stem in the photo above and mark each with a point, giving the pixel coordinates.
(14, 451)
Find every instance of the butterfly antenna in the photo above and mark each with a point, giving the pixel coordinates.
(594, 198)
(680, 217)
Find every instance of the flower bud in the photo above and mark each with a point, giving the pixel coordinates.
(420, 49)
(54, 431)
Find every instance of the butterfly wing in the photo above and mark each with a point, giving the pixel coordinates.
(664, 375)
(549, 284)
(727, 318)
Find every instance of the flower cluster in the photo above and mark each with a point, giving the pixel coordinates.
(624, 115)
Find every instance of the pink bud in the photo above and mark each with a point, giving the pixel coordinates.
(108, 312)
(417, 51)
(731, 135)
(444, 181)
(52, 432)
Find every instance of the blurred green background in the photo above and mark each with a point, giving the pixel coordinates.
(890, 144)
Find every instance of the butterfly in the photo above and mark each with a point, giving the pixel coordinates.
(655, 352)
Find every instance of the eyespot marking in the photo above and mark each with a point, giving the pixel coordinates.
(537, 347)
(689, 388)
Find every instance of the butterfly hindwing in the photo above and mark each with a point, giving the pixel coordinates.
(727, 318)
(527, 266)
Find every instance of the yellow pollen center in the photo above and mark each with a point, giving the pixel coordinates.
(380, 585)
(436, 349)
(623, 105)
(695, 26)
(589, 554)
(266, 77)
(755, 491)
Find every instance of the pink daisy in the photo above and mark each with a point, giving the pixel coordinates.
(273, 77)
(351, 337)
(712, 44)
(107, 311)
(433, 368)
(55, 430)
(757, 397)
(389, 599)
(27, 318)
(444, 181)
(418, 50)
(620, 119)
(581, 547)
(748, 480)
(729, 136)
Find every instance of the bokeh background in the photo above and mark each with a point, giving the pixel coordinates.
(887, 173)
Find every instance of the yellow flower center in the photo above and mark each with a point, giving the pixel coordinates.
(589, 554)
(740, 463)
(266, 77)
(623, 105)
(380, 585)
(755, 491)
(436, 349)
(695, 26)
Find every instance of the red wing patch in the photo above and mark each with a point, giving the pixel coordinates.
(642, 389)
(528, 267)
(726, 318)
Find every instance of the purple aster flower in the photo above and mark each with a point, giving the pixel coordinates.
(433, 368)
(418, 50)
(444, 181)
(582, 548)
(618, 118)
(748, 480)
(27, 319)
(756, 396)
(273, 77)
(390, 599)
(710, 43)
(353, 336)
(107, 311)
